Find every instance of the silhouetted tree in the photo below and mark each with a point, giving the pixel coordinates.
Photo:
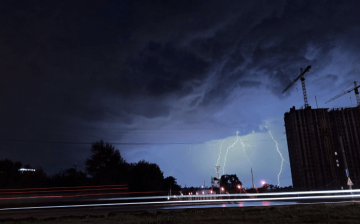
(170, 182)
(11, 177)
(229, 182)
(9, 174)
(105, 165)
(32, 179)
(146, 176)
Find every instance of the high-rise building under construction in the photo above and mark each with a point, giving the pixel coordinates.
(324, 147)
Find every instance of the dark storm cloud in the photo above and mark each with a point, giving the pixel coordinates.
(164, 69)
(69, 64)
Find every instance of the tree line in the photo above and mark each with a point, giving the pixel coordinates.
(105, 166)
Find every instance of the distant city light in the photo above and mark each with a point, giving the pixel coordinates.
(25, 169)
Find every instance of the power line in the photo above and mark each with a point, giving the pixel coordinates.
(115, 143)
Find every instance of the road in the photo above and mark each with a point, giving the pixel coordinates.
(31, 206)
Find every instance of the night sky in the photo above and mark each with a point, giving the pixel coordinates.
(170, 82)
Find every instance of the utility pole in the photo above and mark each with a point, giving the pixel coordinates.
(345, 164)
(252, 177)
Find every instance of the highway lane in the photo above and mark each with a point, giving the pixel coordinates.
(96, 209)
(118, 204)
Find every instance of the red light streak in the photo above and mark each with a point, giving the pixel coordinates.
(30, 192)
(83, 195)
(21, 189)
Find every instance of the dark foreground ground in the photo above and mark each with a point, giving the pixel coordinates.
(319, 213)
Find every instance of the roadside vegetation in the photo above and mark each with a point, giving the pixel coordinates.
(105, 166)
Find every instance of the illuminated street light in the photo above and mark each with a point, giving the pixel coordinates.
(222, 188)
(239, 187)
(263, 182)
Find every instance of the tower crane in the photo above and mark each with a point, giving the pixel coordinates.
(302, 78)
(356, 90)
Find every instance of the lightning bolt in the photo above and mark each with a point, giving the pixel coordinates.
(282, 158)
(244, 150)
(220, 153)
(181, 161)
(227, 150)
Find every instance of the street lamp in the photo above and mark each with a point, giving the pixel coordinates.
(239, 187)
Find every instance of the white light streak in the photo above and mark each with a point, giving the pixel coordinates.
(212, 200)
(24, 169)
(282, 158)
(227, 150)
(220, 153)
(242, 194)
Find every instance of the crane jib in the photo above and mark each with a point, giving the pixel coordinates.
(348, 91)
(301, 75)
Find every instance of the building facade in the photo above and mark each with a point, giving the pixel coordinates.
(317, 160)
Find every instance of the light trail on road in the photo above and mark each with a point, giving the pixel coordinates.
(238, 195)
(82, 195)
(43, 188)
(182, 202)
(211, 200)
(31, 192)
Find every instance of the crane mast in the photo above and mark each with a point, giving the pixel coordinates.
(356, 90)
(302, 79)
